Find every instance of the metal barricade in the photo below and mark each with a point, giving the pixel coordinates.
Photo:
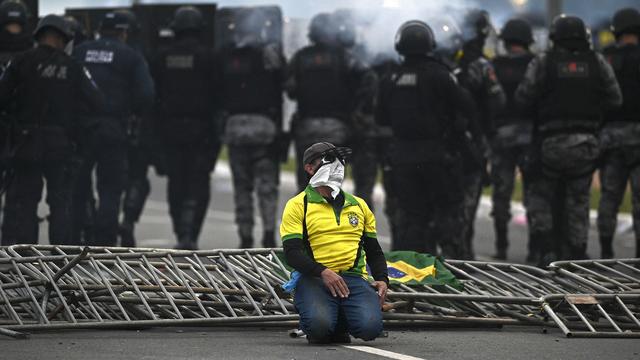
(67, 287)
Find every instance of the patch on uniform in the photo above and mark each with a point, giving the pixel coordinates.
(179, 62)
(99, 57)
(408, 79)
(52, 71)
(353, 219)
(573, 69)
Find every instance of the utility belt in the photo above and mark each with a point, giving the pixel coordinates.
(310, 130)
(417, 151)
(564, 126)
(33, 143)
(513, 135)
(250, 129)
(620, 134)
(569, 154)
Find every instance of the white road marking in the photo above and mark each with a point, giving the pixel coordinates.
(385, 353)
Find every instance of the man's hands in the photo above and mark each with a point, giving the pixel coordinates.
(338, 287)
(382, 287)
(335, 283)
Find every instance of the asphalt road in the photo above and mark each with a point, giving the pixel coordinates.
(219, 231)
(255, 343)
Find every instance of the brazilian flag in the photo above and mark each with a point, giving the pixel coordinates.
(412, 268)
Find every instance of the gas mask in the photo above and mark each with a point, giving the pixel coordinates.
(330, 173)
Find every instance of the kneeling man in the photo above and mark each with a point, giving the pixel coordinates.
(329, 237)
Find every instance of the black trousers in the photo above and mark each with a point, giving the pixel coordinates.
(110, 163)
(138, 186)
(188, 171)
(427, 194)
(23, 195)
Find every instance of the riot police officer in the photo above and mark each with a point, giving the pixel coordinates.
(621, 134)
(477, 75)
(329, 84)
(13, 39)
(13, 35)
(420, 100)
(141, 137)
(185, 83)
(570, 85)
(512, 136)
(251, 96)
(123, 75)
(363, 142)
(53, 95)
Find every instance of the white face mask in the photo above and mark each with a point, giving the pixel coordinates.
(331, 175)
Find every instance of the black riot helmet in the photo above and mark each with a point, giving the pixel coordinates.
(517, 31)
(567, 27)
(346, 28)
(626, 21)
(321, 29)
(13, 11)
(187, 18)
(476, 24)
(415, 38)
(251, 28)
(132, 20)
(449, 36)
(54, 22)
(79, 32)
(115, 21)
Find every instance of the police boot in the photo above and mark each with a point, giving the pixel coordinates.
(268, 239)
(578, 252)
(187, 239)
(246, 241)
(501, 241)
(126, 231)
(548, 252)
(606, 247)
(186, 242)
(534, 248)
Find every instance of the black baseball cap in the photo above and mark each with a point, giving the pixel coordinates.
(321, 149)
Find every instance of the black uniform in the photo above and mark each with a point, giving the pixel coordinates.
(509, 146)
(123, 75)
(477, 75)
(251, 96)
(10, 45)
(420, 101)
(185, 83)
(570, 88)
(328, 83)
(621, 143)
(52, 95)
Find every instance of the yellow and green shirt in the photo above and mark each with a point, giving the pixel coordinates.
(334, 236)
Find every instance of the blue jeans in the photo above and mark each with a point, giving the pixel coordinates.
(322, 315)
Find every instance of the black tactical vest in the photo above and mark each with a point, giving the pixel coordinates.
(248, 86)
(571, 95)
(413, 105)
(322, 83)
(184, 80)
(510, 71)
(626, 64)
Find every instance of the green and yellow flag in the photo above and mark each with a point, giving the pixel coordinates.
(412, 268)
